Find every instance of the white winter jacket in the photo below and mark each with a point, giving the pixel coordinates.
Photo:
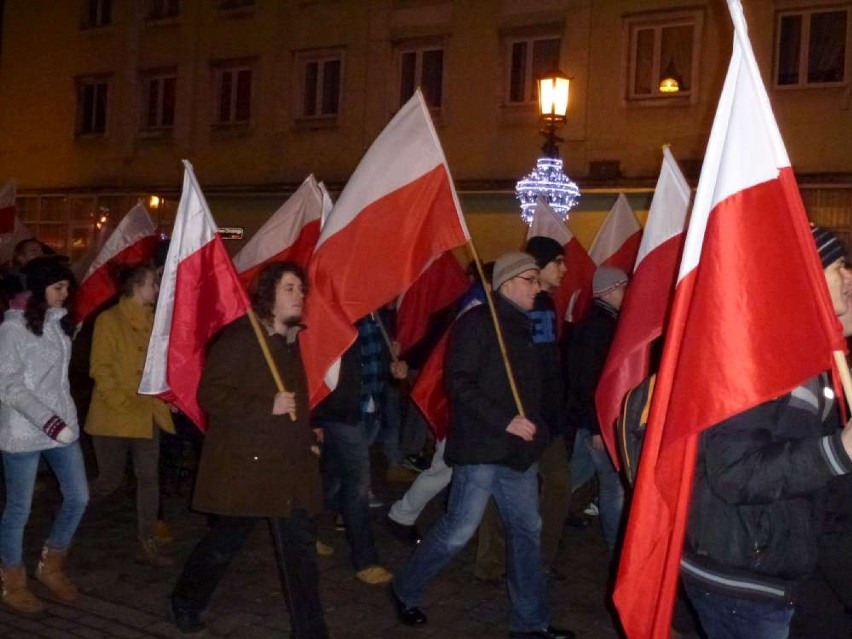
(33, 382)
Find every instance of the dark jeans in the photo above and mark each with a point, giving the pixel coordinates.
(724, 617)
(295, 547)
(347, 485)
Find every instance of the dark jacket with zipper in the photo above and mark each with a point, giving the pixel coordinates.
(481, 402)
(759, 492)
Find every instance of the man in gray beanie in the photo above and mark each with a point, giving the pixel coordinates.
(587, 354)
(493, 446)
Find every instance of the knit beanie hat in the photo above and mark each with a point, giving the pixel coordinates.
(510, 265)
(607, 278)
(543, 249)
(828, 246)
(41, 272)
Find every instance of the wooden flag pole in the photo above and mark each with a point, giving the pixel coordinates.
(845, 377)
(489, 298)
(264, 346)
(385, 335)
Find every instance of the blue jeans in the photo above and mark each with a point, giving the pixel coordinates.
(347, 485)
(19, 470)
(610, 496)
(516, 494)
(724, 617)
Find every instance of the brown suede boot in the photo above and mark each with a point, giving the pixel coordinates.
(16, 595)
(51, 575)
(151, 555)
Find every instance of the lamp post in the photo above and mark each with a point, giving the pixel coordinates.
(547, 178)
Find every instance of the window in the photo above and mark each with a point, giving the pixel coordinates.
(811, 47)
(96, 13)
(320, 83)
(233, 94)
(92, 101)
(424, 68)
(158, 101)
(529, 59)
(663, 57)
(162, 9)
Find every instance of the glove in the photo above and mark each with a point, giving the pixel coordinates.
(57, 429)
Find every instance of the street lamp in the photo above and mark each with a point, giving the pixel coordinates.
(547, 178)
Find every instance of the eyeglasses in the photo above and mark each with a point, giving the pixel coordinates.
(532, 280)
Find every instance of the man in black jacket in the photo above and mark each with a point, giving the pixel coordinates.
(758, 497)
(494, 449)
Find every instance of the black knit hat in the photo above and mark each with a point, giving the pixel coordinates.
(41, 272)
(828, 246)
(543, 249)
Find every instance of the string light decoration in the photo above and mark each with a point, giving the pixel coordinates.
(549, 181)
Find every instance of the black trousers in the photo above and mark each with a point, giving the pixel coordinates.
(294, 538)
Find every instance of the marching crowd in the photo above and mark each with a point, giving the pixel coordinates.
(770, 512)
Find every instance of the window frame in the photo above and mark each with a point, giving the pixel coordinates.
(419, 49)
(659, 21)
(80, 85)
(161, 76)
(530, 89)
(233, 67)
(806, 14)
(320, 57)
(100, 7)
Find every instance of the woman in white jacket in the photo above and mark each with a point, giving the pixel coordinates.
(38, 419)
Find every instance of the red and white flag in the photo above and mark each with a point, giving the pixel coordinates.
(199, 294)
(398, 211)
(7, 207)
(289, 235)
(132, 242)
(731, 342)
(647, 300)
(574, 294)
(617, 241)
(440, 285)
(18, 231)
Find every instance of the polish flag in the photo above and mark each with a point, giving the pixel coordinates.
(7, 207)
(199, 294)
(289, 235)
(617, 241)
(132, 242)
(731, 342)
(398, 212)
(647, 299)
(440, 285)
(18, 232)
(573, 296)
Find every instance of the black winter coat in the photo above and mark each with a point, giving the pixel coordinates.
(481, 403)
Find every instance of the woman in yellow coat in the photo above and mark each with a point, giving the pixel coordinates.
(120, 420)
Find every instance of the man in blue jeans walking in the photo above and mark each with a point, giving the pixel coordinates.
(494, 448)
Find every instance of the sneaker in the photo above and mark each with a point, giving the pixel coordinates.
(374, 576)
(324, 550)
(188, 621)
(416, 463)
(403, 532)
(150, 555)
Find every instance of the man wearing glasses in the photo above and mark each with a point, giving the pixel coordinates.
(494, 448)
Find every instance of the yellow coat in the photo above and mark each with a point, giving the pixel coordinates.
(119, 346)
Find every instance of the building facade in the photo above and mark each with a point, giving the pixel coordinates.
(101, 99)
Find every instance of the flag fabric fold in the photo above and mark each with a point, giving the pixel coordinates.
(132, 242)
(617, 241)
(647, 298)
(398, 211)
(199, 294)
(7, 207)
(439, 286)
(751, 318)
(290, 234)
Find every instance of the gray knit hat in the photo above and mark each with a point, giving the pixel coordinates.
(607, 278)
(511, 265)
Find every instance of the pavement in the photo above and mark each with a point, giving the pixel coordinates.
(121, 599)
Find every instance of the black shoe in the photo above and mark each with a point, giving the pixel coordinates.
(187, 621)
(408, 534)
(548, 633)
(409, 616)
